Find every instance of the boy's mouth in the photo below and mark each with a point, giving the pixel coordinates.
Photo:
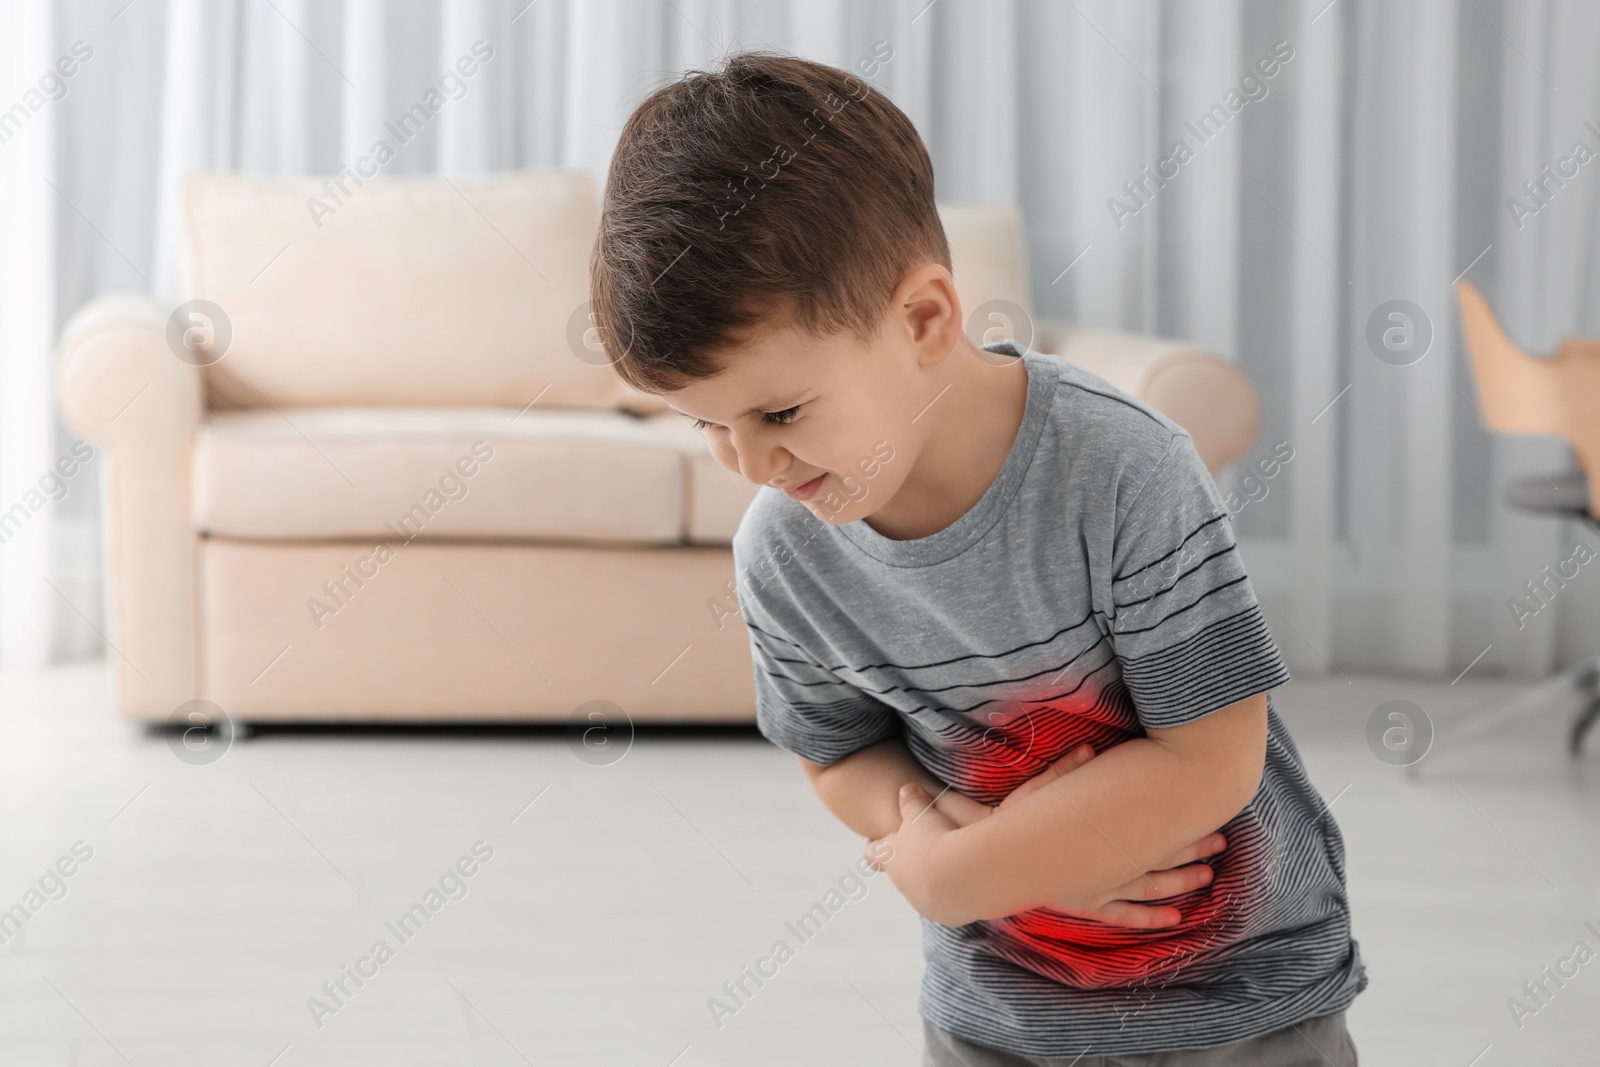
(806, 490)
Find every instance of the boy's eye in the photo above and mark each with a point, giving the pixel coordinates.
(772, 418)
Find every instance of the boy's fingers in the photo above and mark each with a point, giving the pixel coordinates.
(1158, 885)
(1206, 847)
(877, 853)
(1020, 791)
(1065, 765)
(913, 801)
(1139, 916)
(961, 809)
(1070, 762)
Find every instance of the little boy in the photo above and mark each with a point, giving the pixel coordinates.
(985, 576)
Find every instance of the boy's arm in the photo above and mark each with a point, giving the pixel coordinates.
(862, 789)
(1086, 832)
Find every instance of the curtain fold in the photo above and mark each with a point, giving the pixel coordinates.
(1336, 157)
(1305, 419)
(29, 207)
(475, 129)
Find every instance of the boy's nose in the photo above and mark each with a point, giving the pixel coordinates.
(750, 459)
(724, 453)
(761, 466)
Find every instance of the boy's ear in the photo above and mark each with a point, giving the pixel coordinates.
(928, 310)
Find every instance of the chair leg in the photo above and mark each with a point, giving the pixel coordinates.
(1582, 724)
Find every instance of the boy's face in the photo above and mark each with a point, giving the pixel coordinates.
(830, 421)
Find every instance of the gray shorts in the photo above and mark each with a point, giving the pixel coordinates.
(1318, 1042)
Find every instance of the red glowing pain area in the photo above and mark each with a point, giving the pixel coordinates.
(1086, 954)
(988, 753)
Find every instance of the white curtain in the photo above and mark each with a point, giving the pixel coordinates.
(28, 212)
(1374, 164)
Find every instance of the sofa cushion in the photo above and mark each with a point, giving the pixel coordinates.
(400, 291)
(438, 473)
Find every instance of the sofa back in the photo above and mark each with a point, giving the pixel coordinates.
(987, 259)
(427, 291)
(443, 291)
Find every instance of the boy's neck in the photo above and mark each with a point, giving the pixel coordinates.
(975, 422)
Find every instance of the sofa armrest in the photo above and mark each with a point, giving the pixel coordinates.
(1205, 394)
(120, 385)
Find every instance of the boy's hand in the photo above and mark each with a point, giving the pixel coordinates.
(964, 811)
(960, 808)
(906, 854)
(1065, 765)
(1178, 873)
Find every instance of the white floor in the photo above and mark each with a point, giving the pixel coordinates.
(219, 898)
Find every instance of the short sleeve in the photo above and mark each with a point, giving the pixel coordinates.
(802, 706)
(1186, 629)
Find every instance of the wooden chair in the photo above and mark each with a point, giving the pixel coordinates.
(1558, 396)
(1555, 395)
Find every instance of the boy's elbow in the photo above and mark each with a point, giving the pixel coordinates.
(1228, 750)
(1249, 784)
(1251, 754)
(821, 785)
(1242, 780)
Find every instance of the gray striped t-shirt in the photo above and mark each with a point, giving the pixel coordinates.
(1093, 592)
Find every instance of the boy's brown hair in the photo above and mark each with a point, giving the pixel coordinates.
(773, 191)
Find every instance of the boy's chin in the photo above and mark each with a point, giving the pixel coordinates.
(837, 516)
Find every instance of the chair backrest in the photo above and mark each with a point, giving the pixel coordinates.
(1557, 395)
(404, 291)
(1517, 393)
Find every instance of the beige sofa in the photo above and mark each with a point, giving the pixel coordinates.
(409, 489)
